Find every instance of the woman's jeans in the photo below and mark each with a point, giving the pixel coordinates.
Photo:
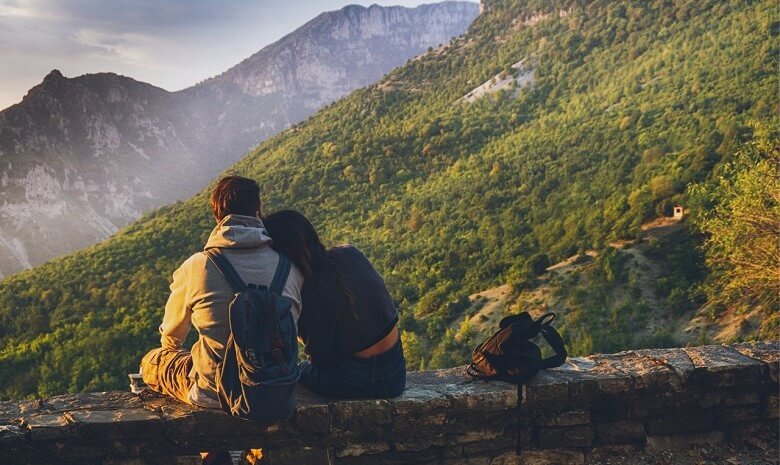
(379, 377)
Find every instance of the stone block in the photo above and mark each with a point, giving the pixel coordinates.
(542, 457)
(683, 441)
(675, 359)
(362, 419)
(728, 398)
(299, 456)
(572, 436)
(496, 445)
(313, 417)
(760, 429)
(103, 424)
(419, 409)
(768, 352)
(45, 427)
(482, 396)
(365, 448)
(721, 366)
(607, 408)
(547, 392)
(10, 413)
(612, 453)
(574, 417)
(468, 461)
(729, 415)
(422, 443)
(772, 406)
(428, 456)
(694, 421)
(620, 432)
(649, 404)
(478, 435)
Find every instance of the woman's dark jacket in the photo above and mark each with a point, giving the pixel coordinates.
(328, 326)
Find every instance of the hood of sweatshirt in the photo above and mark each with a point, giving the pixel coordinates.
(238, 232)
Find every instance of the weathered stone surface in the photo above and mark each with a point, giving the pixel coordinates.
(468, 461)
(500, 443)
(118, 423)
(693, 421)
(620, 432)
(772, 409)
(740, 413)
(10, 412)
(601, 405)
(767, 352)
(49, 426)
(722, 366)
(547, 457)
(676, 360)
(300, 455)
(548, 391)
(683, 441)
(608, 453)
(572, 436)
(575, 417)
(312, 414)
(11, 435)
(650, 404)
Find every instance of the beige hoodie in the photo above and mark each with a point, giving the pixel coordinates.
(200, 296)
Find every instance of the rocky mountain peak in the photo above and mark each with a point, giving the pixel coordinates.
(83, 156)
(53, 75)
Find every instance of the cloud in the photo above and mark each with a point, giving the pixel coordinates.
(128, 48)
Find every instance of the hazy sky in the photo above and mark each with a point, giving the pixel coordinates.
(169, 43)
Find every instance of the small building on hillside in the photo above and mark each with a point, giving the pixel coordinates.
(679, 212)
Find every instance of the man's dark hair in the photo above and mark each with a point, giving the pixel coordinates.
(235, 195)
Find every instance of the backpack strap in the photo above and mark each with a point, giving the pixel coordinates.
(276, 288)
(226, 269)
(554, 339)
(280, 277)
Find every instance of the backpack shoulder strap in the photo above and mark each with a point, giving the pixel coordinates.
(280, 277)
(226, 269)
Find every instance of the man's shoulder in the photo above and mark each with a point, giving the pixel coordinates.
(194, 262)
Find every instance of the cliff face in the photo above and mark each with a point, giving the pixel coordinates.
(81, 157)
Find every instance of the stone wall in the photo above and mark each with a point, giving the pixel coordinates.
(590, 408)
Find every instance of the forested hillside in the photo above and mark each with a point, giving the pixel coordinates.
(628, 104)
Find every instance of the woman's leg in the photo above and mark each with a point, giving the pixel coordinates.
(390, 378)
(343, 379)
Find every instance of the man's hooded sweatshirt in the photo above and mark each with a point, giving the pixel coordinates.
(200, 296)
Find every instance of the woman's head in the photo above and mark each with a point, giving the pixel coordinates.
(295, 237)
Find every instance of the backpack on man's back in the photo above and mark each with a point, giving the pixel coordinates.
(257, 377)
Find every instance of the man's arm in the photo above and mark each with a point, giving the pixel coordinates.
(178, 312)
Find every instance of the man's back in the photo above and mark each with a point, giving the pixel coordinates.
(200, 295)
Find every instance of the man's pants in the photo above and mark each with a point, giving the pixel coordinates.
(167, 371)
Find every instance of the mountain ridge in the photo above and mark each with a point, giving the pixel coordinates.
(144, 146)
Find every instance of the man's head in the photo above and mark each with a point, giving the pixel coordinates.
(235, 195)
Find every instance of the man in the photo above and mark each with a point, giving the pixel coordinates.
(200, 296)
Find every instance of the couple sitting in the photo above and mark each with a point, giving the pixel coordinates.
(345, 315)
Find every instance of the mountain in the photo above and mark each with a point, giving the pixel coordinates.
(81, 157)
(617, 108)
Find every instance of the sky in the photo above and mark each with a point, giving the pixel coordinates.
(172, 44)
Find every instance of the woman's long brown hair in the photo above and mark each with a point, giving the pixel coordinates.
(294, 236)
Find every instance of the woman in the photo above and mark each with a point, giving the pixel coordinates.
(348, 319)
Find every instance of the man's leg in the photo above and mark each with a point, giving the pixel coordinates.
(167, 371)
